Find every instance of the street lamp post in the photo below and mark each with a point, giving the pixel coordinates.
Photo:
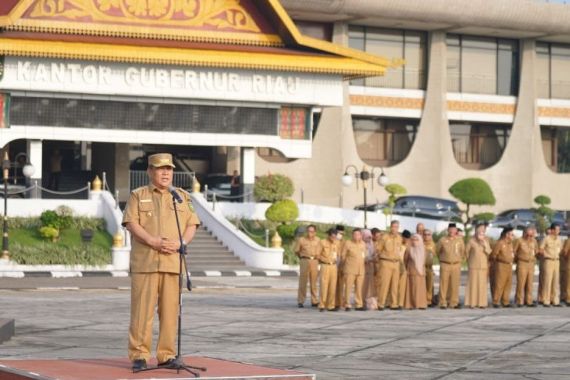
(5, 169)
(364, 175)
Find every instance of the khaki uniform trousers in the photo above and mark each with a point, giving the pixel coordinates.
(564, 283)
(540, 279)
(309, 269)
(339, 296)
(148, 290)
(389, 277)
(402, 287)
(355, 281)
(429, 285)
(525, 279)
(449, 279)
(503, 283)
(328, 286)
(550, 294)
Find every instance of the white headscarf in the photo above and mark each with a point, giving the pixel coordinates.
(418, 254)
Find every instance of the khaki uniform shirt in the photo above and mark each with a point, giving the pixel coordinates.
(307, 248)
(503, 252)
(525, 250)
(450, 250)
(430, 253)
(352, 256)
(329, 251)
(552, 246)
(153, 210)
(478, 254)
(390, 247)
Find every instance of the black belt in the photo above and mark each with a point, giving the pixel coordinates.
(320, 262)
(307, 258)
(449, 263)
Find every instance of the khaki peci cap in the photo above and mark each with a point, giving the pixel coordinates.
(160, 159)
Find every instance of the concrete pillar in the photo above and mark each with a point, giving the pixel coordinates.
(85, 155)
(35, 151)
(121, 172)
(233, 159)
(247, 173)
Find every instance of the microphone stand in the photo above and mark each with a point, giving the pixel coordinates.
(178, 362)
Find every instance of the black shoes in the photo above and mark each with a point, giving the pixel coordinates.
(300, 305)
(360, 309)
(167, 364)
(139, 365)
(314, 304)
(321, 309)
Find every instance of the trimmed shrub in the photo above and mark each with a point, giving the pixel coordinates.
(284, 211)
(49, 232)
(287, 231)
(273, 187)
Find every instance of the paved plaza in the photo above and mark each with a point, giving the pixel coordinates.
(256, 320)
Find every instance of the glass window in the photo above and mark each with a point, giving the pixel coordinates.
(560, 74)
(384, 141)
(482, 65)
(479, 65)
(556, 148)
(478, 146)
(453, 63)
(542, 70)
(507, 67)
(415, 56)
(391, 43)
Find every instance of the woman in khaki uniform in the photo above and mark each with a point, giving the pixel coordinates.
(478, 251)
(525, 249)
(503, 256)
(414, 259)
(429, 246)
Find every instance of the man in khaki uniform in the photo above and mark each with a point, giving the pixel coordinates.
(503, 256)
(525, 250)
(308, 249)
(451, 252)
(565, 264)
(155, 266)
(388, 274)
(550, 249)
(352, 258)
(328, 256)
(429, 246)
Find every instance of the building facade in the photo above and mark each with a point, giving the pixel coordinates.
(484, 91)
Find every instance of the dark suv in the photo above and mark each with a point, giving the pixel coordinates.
(523, 217)
(421, 207)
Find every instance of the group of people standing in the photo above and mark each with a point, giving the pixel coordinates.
(395, 270)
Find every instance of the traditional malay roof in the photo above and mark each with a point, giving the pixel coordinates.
(245, 34)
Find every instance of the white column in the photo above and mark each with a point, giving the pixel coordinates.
(35, 151)
(247, 172)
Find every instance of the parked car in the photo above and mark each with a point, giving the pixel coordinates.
(523, 217)
(420, 206)
(220, 184)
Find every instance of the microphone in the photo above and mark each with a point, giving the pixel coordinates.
(175, 195)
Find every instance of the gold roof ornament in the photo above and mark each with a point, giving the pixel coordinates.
(242, 34)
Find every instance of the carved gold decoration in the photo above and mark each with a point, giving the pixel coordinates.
(558, 112)
(217, 14)
(480, 107)
(386, 102)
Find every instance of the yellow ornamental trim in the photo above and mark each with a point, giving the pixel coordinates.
(347, 67)
(221, 21)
